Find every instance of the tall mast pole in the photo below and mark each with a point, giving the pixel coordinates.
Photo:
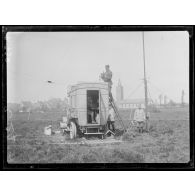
(145, 84)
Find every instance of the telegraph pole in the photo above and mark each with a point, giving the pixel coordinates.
(145, 85)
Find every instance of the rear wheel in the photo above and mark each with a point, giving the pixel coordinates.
(73, 130)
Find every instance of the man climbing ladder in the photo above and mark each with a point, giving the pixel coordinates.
(107, 77)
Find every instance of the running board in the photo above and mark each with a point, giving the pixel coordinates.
(98, 133)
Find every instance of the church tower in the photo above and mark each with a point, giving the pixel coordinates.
(119, 92)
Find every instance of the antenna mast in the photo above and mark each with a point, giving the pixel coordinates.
(145, 85)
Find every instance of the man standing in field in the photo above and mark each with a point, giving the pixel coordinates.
(139, 117)
(111, 120)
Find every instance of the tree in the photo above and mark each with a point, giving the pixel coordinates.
(160, 98)
(57, 104)
(26, 106)
(165, 100)
(172, 103)
(36, 107)
(44, 107)
(14, 107)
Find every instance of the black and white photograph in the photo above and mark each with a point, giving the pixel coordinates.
(97, 97)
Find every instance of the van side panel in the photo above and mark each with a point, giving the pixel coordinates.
(81, 100)
(104, 106)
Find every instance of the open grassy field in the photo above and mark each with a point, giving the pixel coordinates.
(166, 142)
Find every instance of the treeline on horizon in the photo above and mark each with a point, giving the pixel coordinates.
(51, 105)
(61, 105)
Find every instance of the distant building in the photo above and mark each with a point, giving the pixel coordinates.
(127, 103)
(132, 103)
(119, 92)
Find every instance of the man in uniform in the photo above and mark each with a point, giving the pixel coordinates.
(139, 117)
(107, 77)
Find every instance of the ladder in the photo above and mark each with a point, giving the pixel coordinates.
(111, 100)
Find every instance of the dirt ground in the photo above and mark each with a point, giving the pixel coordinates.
(166, 142)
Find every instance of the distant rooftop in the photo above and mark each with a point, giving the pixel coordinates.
(141, 100)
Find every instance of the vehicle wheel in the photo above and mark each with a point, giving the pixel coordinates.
(73, 130)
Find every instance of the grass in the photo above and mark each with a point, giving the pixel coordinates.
(166, 142)
(71, 154)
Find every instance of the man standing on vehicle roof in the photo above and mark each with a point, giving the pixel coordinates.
(107, 77)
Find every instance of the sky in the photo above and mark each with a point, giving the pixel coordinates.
(66, 58)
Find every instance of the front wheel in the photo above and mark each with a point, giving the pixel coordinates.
(73, 130)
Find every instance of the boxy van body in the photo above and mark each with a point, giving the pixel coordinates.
(89, 104)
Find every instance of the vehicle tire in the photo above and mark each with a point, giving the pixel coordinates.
(73, 130)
